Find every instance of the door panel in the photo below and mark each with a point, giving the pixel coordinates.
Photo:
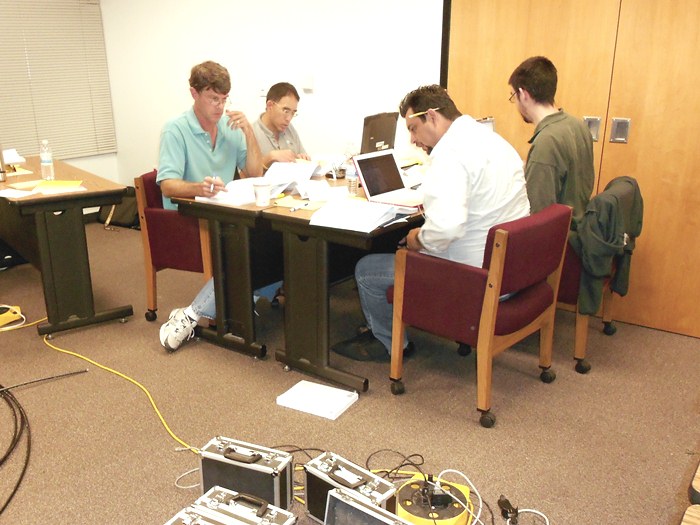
(644, 70)
(489, 39)
(655, 83)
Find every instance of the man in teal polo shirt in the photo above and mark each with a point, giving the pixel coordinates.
(199, 153)
(559, 167)
(201, 149)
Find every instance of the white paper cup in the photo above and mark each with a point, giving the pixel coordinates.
(262, 192)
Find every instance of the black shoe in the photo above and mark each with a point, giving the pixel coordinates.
(409, 350)
(364, 347)
(363, 329)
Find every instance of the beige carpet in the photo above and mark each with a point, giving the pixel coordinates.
(618, 445)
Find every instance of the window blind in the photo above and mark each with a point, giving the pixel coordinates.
(54, 82)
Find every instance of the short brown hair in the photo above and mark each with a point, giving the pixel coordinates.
(210, 75)
(429, 97)
(537, 76)
(280, 90)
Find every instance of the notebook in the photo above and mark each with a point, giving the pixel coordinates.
(382, 180)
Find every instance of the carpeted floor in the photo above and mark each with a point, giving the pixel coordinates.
(618, 445)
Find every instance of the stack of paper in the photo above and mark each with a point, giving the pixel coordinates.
(238, 192)
(316, 399)
(353, 214)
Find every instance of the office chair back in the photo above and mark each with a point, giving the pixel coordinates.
(598, 259)
(170, 240)
(461, 302)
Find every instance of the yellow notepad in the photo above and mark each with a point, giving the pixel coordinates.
(50, 187)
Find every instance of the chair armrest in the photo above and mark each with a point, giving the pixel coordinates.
(443, 297)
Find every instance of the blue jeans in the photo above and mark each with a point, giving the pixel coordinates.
(374, 274)
(204, 304)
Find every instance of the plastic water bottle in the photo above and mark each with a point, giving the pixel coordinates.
(351, 178)
(46, 156)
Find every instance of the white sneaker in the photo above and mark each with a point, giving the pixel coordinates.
(178, 329)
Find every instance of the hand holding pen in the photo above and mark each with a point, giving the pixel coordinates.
(212, 185)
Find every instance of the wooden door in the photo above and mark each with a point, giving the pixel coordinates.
(488, 39)
(642, 70)
(656, 83)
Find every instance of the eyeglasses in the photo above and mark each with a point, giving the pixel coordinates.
(511, 98)
(217, 101)
(421, 113)
(288, 112)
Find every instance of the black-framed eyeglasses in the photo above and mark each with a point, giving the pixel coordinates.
(511, 98)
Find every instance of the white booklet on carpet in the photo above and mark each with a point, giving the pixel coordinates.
(319, 400)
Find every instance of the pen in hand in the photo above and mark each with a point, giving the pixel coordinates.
(211, 186)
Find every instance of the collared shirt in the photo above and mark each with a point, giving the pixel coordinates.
(288, 139)
(473, 181)
(559, 166)
(186, 152)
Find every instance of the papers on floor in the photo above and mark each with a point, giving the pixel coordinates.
(317, 399)
(354, 214)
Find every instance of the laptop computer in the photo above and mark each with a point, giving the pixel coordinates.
(379, 132)
(381, 177)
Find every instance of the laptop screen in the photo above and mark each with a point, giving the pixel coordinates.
(379, 132)
(379, 172)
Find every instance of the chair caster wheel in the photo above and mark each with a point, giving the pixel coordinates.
(397, 387)
(123, 320)
(151, 315)
(582, 366)
(609, 328)
(464, 350)
(487, 419)
(547, 376)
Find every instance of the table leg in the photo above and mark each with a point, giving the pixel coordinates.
(307, 310)
(65, 273)
(235, 323)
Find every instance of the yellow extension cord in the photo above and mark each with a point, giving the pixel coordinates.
(123, 376)
(160, 416)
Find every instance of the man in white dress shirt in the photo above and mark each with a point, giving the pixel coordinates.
(473, 181)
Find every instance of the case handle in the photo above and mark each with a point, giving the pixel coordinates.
(254, 501)
(231, 453)
(346, 478)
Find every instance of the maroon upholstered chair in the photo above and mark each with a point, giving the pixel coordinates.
(613, 221)
(568, 300)
(170, 240)
(461, 302)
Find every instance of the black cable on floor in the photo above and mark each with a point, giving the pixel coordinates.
(21, 423)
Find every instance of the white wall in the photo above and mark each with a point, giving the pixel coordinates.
(357, 58)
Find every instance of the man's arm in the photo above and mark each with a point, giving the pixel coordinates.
(179, 188)
(543, 185)
(446, 202)
(254, 160)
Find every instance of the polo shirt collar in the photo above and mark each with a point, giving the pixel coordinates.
(193, 122)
